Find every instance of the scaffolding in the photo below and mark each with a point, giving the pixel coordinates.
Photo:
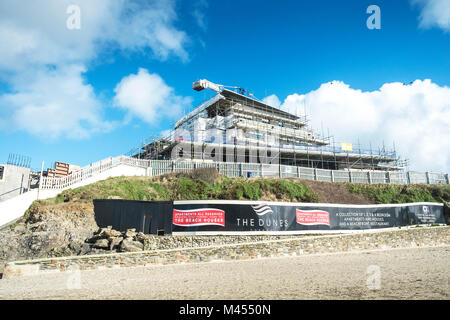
(232, 127)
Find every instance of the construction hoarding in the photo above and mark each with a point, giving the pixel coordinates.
(150, 217)
(285, 217)
(257, 217)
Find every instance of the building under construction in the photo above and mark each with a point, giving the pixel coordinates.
(233, 126)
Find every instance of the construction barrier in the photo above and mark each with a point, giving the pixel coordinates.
(259, 217)
(150, 217)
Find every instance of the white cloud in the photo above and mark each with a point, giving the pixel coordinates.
(434, 13)
(198, 13)
(148, 97)
(415, 116)
(272, 100)
(39, 54)
(35, 32)
(57, 103)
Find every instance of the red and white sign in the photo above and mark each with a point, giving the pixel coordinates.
(199, 217)
(312, 217)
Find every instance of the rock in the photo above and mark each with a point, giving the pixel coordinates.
(111, 233)
(102, 244)
(102, 231)
(33, 226)
(115, 242)
(140, 237)
(20, 229)
(85, 248)
(131, 233)
(75, 246)
(131, 246)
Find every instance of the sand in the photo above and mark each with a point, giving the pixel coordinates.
(415, 273)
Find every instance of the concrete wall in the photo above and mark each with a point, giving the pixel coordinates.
(14, 182)
(14, 208)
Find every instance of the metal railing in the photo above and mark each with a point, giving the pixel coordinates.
(232, 169)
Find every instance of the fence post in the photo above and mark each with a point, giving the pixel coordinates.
(261, 170)
(408, 178)
(388, 177)
(369, 176)
(350, 176)
(332, 175)
(240, 169)
(446, 178)
(298, 172)
(315, 174)
(427, 177)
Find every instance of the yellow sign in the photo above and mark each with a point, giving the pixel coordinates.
(346, 146)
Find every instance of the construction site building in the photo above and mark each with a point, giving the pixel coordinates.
(233, 126)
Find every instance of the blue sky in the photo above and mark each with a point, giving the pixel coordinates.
(287, 50)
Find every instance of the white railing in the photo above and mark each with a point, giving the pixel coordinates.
(159, 167)
(90, 171)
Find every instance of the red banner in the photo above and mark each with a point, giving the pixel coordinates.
(199, 217)
(312, 217)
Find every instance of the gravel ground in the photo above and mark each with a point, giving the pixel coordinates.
(414, 273)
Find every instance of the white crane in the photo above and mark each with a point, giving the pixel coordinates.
(205, 84)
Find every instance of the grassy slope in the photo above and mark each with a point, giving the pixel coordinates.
(202, 185)
(387, 193)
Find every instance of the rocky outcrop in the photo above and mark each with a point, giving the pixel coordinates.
(49, 231)
(110, 239)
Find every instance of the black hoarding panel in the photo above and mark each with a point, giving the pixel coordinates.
(158, 217)
(244, 216)
(145, 216)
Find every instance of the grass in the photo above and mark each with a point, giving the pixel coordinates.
(204, 185)
(391, 193)
(186, 188)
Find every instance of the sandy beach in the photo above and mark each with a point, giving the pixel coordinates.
(415, 273)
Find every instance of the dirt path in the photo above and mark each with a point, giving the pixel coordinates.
(419, 273)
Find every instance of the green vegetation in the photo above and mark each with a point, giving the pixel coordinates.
(391, 193)
(182, 187)
(203, 184)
